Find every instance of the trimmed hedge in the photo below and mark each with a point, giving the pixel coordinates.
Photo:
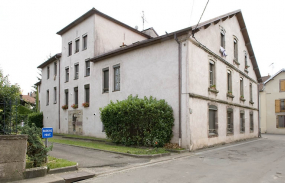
(36, 118)
(136, 121)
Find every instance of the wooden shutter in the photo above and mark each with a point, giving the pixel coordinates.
(282, 85)
(277, 105)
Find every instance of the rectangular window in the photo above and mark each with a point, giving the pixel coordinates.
(242, 122)
(282, 85)
(87, 93)
(241, 88)
(245, 60)
(76, 95)
(212, 73)
(84, 42)
(76, 45)
(229, 82)
(116, 77)
(48, 72)
(282, 106)
(250, 91)
(105, 80)
(235, 50)
(230, 121)
(47, 97)
(223, 40)
(280, 121)
(67, 74)
(213, 130)
(66, 96)
(76, 71)
(251, 122)
(69, 48)
(55, 69)
(87, 68)
(54, 94)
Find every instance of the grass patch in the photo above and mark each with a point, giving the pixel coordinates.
(52, 163)
(82, 137)
(108, 147)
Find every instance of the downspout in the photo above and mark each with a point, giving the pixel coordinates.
(179, 87)
(58, 92)
(259, 128)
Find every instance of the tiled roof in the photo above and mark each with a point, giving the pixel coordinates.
(273, 76)
(29, 99)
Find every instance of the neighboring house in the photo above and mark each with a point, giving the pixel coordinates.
(214, 97)
(272, 107)
(28, 99)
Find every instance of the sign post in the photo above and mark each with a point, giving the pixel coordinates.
(47, 133)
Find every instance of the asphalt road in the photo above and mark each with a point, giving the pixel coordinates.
(259, 161)
(87, 158)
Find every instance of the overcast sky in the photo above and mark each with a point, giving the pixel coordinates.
(28, 27)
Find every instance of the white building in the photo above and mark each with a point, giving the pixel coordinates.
(214, 97)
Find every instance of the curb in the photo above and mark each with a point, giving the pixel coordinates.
(83, 139)
(177, 151)
(63, 169)
(126, 154)
(35, 172)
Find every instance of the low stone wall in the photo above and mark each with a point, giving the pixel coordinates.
(13, 150)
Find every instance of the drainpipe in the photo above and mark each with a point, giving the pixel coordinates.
(259, 128)
(179, 86)
(58, 92)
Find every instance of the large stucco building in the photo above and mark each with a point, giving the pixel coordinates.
(214, 96)
(272, 104)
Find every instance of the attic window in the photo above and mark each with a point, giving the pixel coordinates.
(223, 44)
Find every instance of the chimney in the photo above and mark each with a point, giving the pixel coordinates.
(123, 45)
(28, 94)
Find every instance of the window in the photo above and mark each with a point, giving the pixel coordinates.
(213, 127)
(250, 92)
(223, 44)
(116, 77)
(66, 96)
(105, 80)
(251, 121)
(241, 88)
(76, 71)
(280, 121)
(76, 45)
(76, 95)
(47, 97)
(69, 48)
(242, 120)
(235, 50)
(282, 85)
(87, 93)
(229, 81)
(87, 67)
(54, 94)
(84, 42)
(212, 73)
(66, 74)
(230, 125)
(280, 105)
(48, 72)
(55, 68)
(245, 60)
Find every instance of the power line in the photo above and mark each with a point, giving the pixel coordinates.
(200, 19)
(191, 12)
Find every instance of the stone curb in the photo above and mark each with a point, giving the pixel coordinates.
(126, 154)
(35, 172)
(177, 151)
(63, 169)
(83, 139)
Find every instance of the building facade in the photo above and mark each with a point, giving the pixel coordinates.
(208, 75)
(272, 107)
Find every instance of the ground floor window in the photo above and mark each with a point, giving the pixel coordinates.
(241, 121)
(251, 121)
(213, 122)
(230, 128)
(280, 121)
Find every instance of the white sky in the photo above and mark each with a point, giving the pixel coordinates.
(28, 27)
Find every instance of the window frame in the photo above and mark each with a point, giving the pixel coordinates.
(242, 121)
(87, 93)
(66, 74)
(70, 48)
(48, 72)
(76, 71)
(250, 93)
(47, 98)
(214, 109)
(84, 41)
(280, 84)
(213, 73)
(106, 90)
(241, 87)
(77, 45)
(66, 96)
(282, 109)
(223, 40)
(55, 95)
(76, 95)
(229, 81)
(251, 122)
(235, 49)
(277, 121)
(55, 68)
(87, 68)
(117, 78)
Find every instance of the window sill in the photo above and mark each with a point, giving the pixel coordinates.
(54, 103)
(242, 99)
(230, 134)
(245, 70)
(214, 90)
(86, 75)
(241, 132)
(66, 82)
(75, 78)
(212, 135)
(115, 90)
(105, 92)
(84, 49)
(230, 95)
(251, 102)
(236, 62)
(251, 131)
(76, 51)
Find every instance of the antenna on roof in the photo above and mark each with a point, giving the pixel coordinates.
(143, 19)
(272, 67)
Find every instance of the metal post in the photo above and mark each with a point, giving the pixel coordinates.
(46, 144)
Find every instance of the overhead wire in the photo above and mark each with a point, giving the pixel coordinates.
(193, 32)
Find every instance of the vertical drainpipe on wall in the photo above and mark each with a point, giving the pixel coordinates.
(259, 128)
(58, 92)
(179, 86)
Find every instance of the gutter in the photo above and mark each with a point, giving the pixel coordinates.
(58, 91)
(179, 86)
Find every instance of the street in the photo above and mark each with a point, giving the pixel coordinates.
(260, 160)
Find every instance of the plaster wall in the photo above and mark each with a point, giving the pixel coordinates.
(262, 96)
(272, 93)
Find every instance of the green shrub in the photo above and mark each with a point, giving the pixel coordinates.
(136, 121)
(36, 118)
(23, 113)
(36, 150)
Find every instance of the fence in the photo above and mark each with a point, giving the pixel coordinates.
(9, 120)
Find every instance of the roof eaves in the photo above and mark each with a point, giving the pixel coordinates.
(273, 76)
(51, 59)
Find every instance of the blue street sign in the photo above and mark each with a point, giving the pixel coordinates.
(47, 133)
